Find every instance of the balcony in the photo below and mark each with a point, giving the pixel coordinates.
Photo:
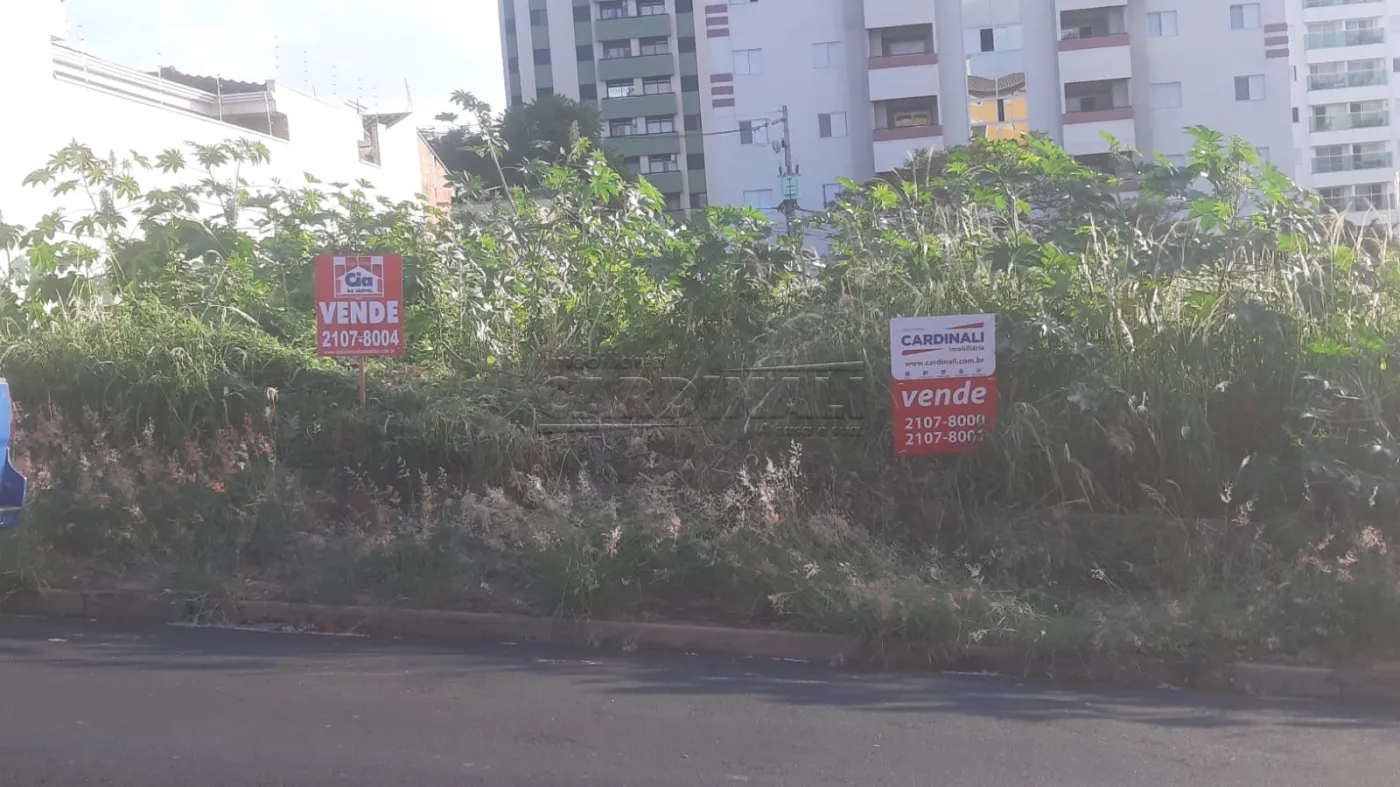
(883, 13)
(1335, 38)
(632, 26)
(635, 66)
(1351, 162)
(1094, 108)
(1094, 45)
(903, 126)
(905, 45)
(1342, 79)
(638, 106)
(1091, 28)
(1346, 121)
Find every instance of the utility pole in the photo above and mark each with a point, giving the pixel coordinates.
(788, 177)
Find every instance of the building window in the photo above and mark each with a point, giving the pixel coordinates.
(827, 55)
(656, 45)
(655, 86)
(581, 13)
(510, 25)
(513, 64)
(661, 162)
(620, 128)
(686, 43)
(685, 6)
(748, 61)
(633, 165)
(1249, 88)
(695, 161)
(539, 17)
(1244, 16)
(1161, 23)
(619, 48)
(690, 84)
(544, 92)
(831, 124)
(620, 88)
(672, 202)
(1166, 95)
(986, 41)
(585, 52)
(762, 199)
(753, 132)
(588, 91)
(613, 10)
(541, 57)
(692, 122)
(831, 192)
(698, 200)
(661, 124)
(651, 7)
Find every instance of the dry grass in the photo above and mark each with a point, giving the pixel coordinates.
(224, 517)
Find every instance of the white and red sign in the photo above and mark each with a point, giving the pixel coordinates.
(945, 385)
(961, 345)
(359, 305)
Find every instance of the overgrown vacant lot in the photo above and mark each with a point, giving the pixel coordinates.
(1195, 457)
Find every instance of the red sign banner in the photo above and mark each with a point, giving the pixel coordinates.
(943, 416)
(359, 305)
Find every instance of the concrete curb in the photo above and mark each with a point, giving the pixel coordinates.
(1366, 684)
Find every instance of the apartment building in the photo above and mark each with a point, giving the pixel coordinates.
(1344, 57)
(638, 60)
(693, 93)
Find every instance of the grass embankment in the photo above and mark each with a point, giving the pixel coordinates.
(1194, 461)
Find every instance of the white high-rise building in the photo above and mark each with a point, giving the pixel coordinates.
(693, 92)
(1343, 54)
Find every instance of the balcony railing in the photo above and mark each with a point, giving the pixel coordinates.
(1347, 79)
(1350, 120)
(1330, 3)
(1335, 38)
(1351, 163)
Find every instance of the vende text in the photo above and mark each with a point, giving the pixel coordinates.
(359, 312)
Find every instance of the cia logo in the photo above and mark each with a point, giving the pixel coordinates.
(358, 277)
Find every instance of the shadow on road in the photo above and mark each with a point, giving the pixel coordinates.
(93, 646)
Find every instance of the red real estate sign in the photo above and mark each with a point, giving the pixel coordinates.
(359, 305)
(943, 416)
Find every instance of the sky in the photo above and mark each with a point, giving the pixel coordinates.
(361, 50)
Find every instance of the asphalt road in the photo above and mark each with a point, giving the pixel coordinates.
(83, 703)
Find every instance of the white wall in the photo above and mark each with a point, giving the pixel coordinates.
(49, 112)
(788, 78)
(1208, 83)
